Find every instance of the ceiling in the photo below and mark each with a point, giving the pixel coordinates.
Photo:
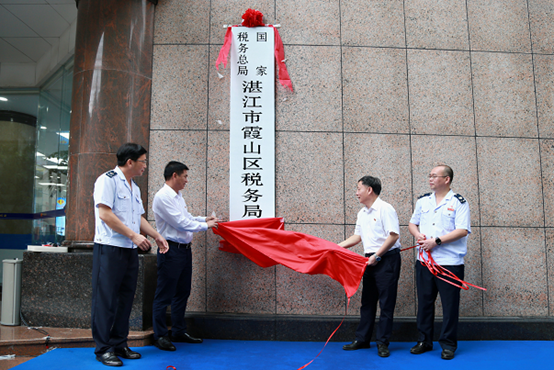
(29, 28)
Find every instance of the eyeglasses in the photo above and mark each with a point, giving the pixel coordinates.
(143, 161)
(435, 176)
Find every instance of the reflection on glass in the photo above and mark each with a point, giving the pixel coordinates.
(17, 158)
(52, 155)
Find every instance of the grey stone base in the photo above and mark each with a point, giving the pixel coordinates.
(56, 290)
(318, 328)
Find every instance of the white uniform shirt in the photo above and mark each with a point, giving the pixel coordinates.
(173, 220)
(375, 224)
(112, 189)
(437, 220)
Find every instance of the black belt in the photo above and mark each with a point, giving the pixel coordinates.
(395, 250)
(179, 245)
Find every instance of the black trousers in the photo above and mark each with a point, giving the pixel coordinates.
(427, 288)
(380, 284)
(114, 281)
(174, 283)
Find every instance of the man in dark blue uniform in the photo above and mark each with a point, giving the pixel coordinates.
(441, 225)
(118, 213)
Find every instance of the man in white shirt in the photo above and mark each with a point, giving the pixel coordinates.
(378, 229)
(440, 224)
(177, 225)
(118, 213)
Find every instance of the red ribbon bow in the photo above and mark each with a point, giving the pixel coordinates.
(253, 18)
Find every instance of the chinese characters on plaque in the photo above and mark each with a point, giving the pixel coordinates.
(252, 124)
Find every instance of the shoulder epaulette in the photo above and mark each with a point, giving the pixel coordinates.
(424, 195)
(111, 174)
(460, 198)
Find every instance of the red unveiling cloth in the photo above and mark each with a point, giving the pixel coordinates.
(265, 242)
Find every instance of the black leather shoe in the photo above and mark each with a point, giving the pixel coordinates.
(109, 359)
(185, 338)
(383, 350)
(127, 353)
(164, 344)
(420, 348)
(447, 354)
(355, 345)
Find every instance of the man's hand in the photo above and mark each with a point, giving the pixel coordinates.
(163, 247)
(211, 223)
(372, 261)
(427, 244)
(142, 242)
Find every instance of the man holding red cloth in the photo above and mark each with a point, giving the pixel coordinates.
(378, 229)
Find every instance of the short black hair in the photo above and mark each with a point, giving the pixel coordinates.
(130, 151)
(372, 182)
(447, 171)
(174, 167)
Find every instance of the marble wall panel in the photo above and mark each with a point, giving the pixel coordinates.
(547, 168)
(309, 22)
(386, 157)
(406, 299)
(544, 82)
(188, 147)
(218, 94)
(516, 281)
(441, 101)
(541, 23)
(499, 25)
(229, 12)
(375, 90)
(460, 154)
(436, 24)
(182, 22)
(197, 298)
(235, 284)
(218, 174)
(179, 87)
(372, 23)
(302, 294)
(509, 168)
(471, 301)
(316, 103)
(309, 177)
(549, 234)
(504, 95)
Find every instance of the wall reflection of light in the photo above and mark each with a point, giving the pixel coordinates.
(96, 77)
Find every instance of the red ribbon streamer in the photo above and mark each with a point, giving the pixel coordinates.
(265, 242)
(331, 336)
(438, 270)
(284, 77)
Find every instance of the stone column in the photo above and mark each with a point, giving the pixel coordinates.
(111, 100)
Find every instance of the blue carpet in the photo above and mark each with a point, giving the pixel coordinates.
(235, 354)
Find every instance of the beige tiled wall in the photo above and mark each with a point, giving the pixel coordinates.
(387, 88)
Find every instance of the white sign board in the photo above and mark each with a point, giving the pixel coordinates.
(252, 124)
